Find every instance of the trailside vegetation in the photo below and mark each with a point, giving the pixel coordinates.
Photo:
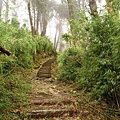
(14, 84)
(69, 63)
(23, 46)
(94, 61)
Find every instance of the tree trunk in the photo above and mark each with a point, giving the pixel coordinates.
(44, 25)
(30, 17)
(40, 21)
(72, 16)
(93, 7)
(83, 4)
(59, 33)
(34, 26)
(37, 25)
(58, 41)
(71, 13)
(6, 12)
(44, 19)
(71, 9)
(0, 7)
(55, 39)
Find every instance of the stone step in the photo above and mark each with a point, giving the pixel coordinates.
(52, 113)
(42, 72)
(52, 102)
(44, 75)
(51, 107)
(45, 70)
(47, 63)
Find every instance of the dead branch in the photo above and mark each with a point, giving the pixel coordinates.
(3, 50)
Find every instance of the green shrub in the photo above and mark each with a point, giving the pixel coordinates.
(6, 63)
(68, 63)
(13, 92)
(22, 45)
(43, 45)
(102, 60)
(99, 73)
(13, 84)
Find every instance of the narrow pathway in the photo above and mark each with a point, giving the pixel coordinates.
(49, 100)
(53, 100)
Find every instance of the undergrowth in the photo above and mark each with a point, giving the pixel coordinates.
(94, 64)
(23, 46)
(13, 90)
(15, 69)
(69, 63)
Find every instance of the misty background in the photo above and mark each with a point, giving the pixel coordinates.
(49, 17)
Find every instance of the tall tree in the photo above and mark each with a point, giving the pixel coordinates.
(58, 33)
(41, 15)
(71, 9)
(0, 7)
(30, 17)
(35, 12)
(61, 14)
(7, 11)
(71, 13)
(44, 19)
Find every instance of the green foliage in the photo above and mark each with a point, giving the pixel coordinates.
(43, 45)
(13, 92)
(22, 45)
(99, 40)
(67, 37)
(115, 5)
(104, 53)
(13, 84)
(15, 22)
(101, 64)
(68, 63)
(6, 63)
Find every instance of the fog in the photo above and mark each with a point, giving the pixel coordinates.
(56, 12)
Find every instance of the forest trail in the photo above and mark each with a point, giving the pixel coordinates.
(51, 99)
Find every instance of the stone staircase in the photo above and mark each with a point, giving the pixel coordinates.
(50, 102)
(53, 109)
(45, 69)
